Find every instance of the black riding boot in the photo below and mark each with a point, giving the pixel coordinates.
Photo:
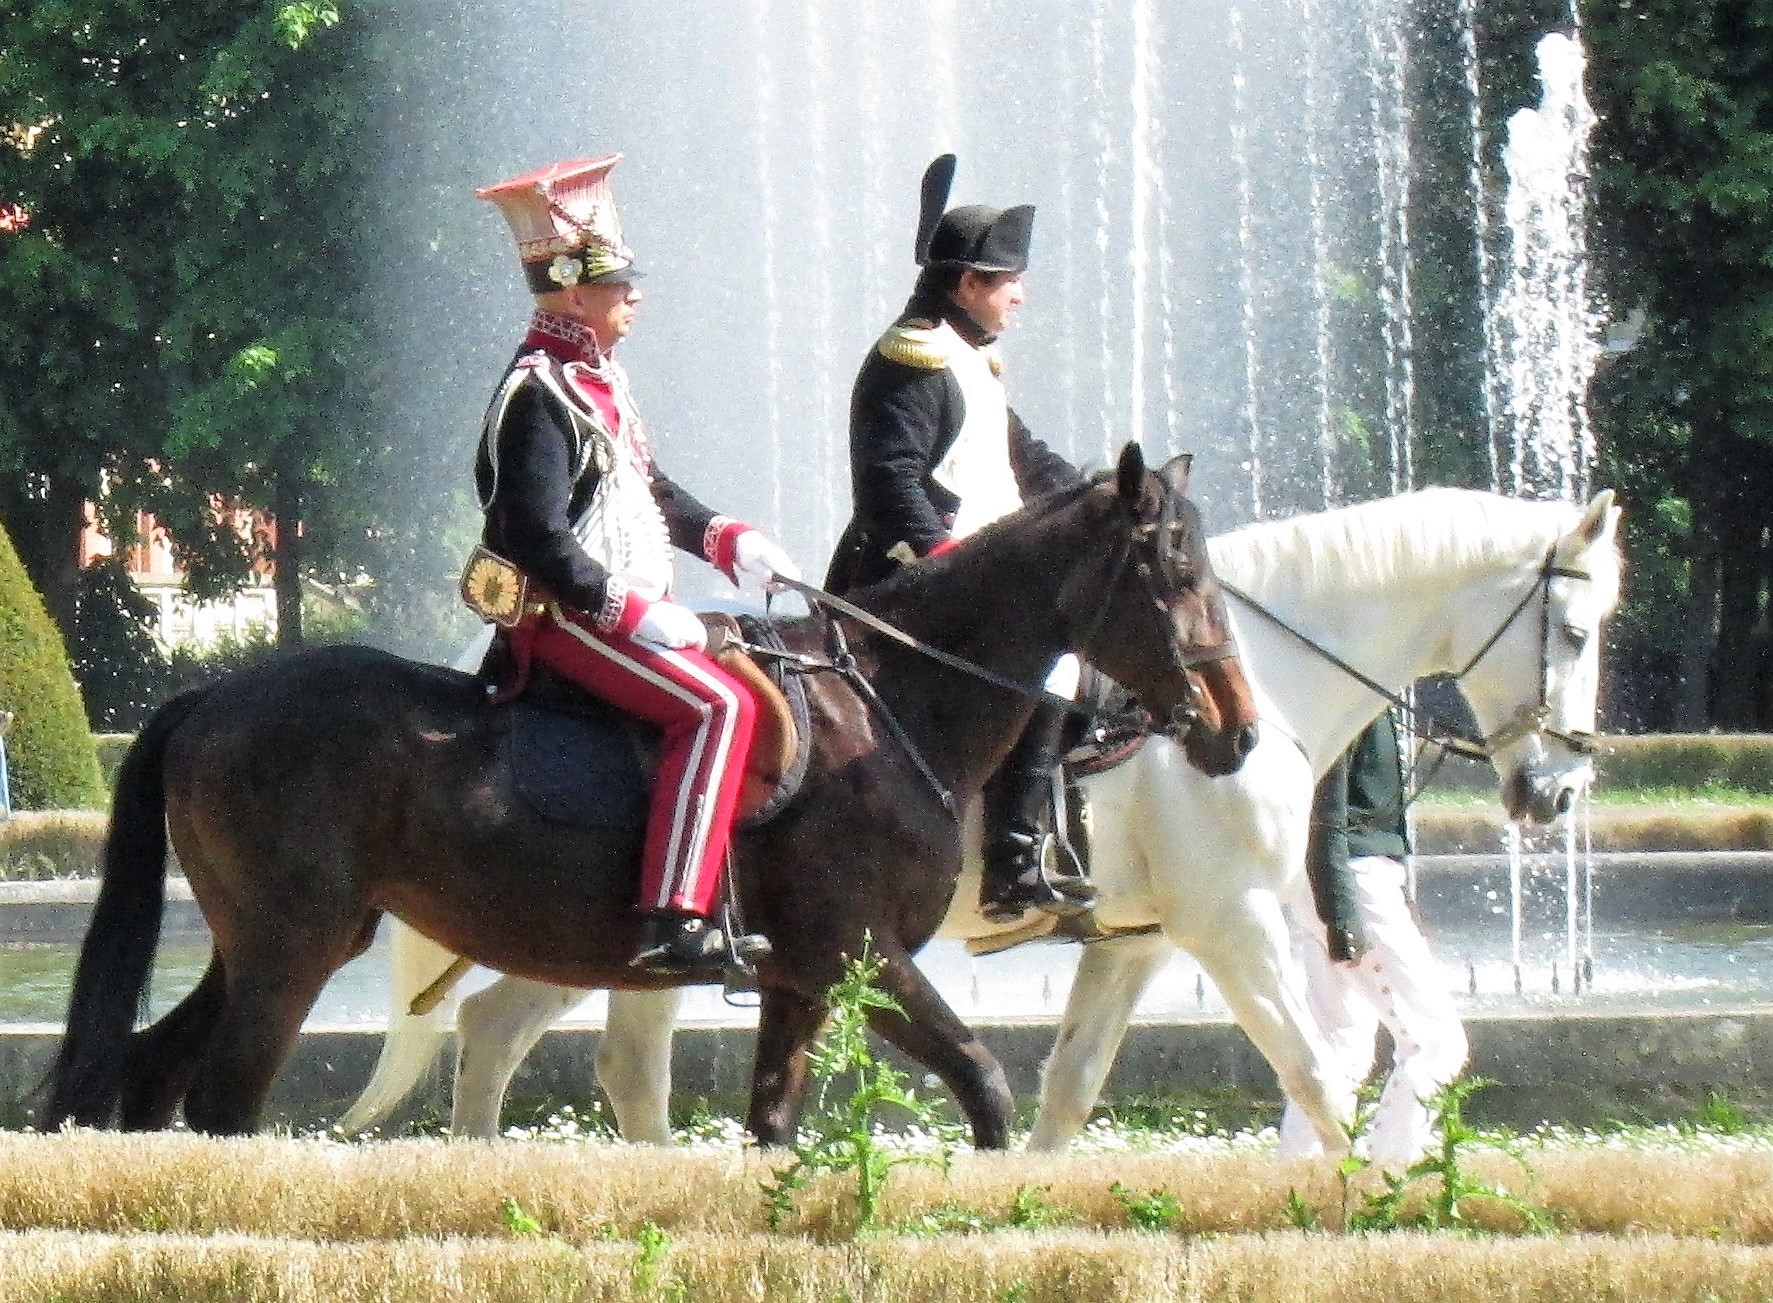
(1021, 870)
(679, 944)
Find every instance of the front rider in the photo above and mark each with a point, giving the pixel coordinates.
(574, 500)
(935, 455)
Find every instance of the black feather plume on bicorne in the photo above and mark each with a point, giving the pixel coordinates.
(938, 179)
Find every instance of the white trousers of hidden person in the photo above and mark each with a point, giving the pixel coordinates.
(1397, 984)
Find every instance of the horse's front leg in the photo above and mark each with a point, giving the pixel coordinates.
(930, 1033)
(787, 1023)
(1248, 954)
(1111, 977)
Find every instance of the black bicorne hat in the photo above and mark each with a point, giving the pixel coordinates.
(975, 236)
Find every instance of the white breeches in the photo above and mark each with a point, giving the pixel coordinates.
(1397, 984)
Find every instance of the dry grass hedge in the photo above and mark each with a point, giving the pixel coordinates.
(319, 1190)
(1027, 1267)
(68, 843)
(38, 844)
(87, 1215)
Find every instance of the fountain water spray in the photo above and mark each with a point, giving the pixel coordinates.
(1547, 323)
(1389, 76)
(1544, 339)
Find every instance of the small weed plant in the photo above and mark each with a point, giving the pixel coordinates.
(1150, 1210)
(842, 1135)
(516, 1220)
(1429, 1195)
(651, 1278)
(1030, 1210)
(1720, 1116)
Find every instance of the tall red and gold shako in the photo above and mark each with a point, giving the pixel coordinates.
(564, 219)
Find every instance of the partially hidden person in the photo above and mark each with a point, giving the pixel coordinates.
(936, 454)
(1366, 961)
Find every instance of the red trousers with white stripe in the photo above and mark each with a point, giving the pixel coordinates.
(706, 717)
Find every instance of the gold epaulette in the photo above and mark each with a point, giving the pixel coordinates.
(914, 343)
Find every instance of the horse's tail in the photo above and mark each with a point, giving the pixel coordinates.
(111, 978)
(413, 1040)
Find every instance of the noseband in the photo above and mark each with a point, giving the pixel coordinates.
(1525, 722)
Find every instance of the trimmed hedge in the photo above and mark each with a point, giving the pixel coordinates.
(52, 763)
(36, 845)
(1682, 826)
(1743, 761)
(111, 747)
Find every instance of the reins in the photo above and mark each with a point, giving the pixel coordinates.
(819, 597)
(843, 661)
(1447, 735)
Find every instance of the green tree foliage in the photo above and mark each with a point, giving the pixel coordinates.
(1684, 210)
(122, 669)
(182, 309)
(52, 761)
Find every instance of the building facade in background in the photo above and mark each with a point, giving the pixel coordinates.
(180, 621)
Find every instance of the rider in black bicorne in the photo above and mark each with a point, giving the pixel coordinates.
(936, 453)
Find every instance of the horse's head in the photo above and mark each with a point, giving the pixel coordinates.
(1533, 684)
(1157, 622)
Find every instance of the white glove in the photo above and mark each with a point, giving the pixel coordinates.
(757, 556)
(666, 624)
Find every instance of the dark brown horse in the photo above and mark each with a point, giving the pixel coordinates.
(307, 797)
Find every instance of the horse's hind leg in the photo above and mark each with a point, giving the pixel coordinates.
(495, 1028)
(165, 1058)
(634, 1062)
(270, 989)
(931, 1034)
(1111, 976)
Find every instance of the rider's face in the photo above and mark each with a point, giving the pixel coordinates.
(990, 297)
(607, 308)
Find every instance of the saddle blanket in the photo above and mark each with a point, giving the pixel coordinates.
(578, 761)
(584, 769)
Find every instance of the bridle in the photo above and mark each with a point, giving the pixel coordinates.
(1526, 721)
(1166, 563)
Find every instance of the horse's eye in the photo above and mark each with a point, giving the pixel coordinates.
(1575, 635)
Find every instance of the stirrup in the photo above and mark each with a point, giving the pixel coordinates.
(693, 947)
(1038, 884)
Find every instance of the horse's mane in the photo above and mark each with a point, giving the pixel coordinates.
(1451, 531)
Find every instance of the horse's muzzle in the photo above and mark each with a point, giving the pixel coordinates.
(1219, 730)
(1538, 794)
(1217, 753)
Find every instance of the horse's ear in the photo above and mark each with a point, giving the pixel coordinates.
(1601, 512)
(1174, 472)
(1129, 475)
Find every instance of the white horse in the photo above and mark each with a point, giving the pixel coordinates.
(1506, 595)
